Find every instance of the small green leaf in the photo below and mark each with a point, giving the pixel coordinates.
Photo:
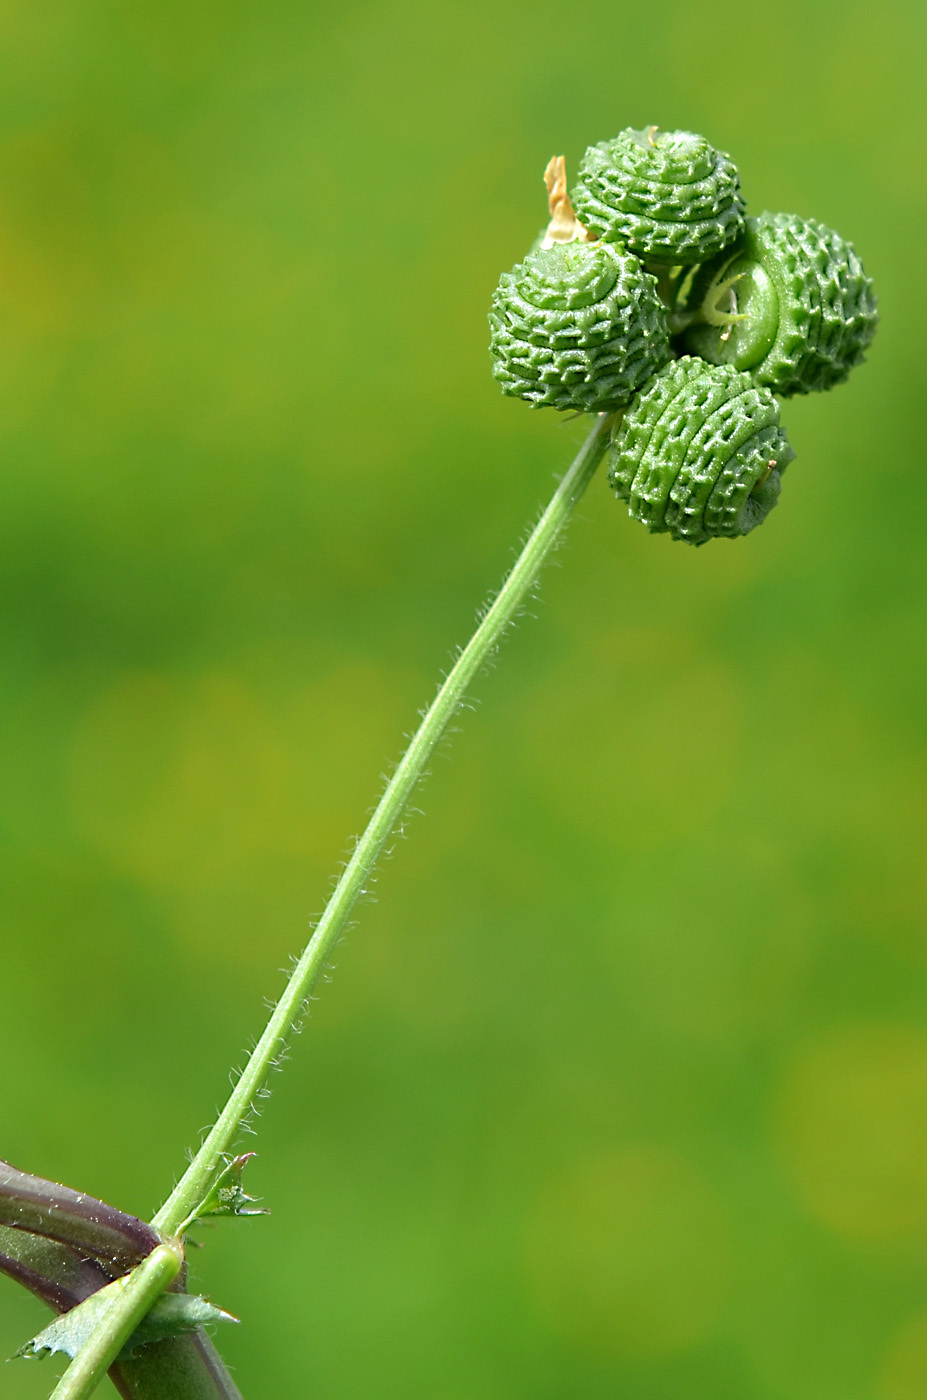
(172, 1314)
(227, 1196)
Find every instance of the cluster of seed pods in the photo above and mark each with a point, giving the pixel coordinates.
(653, 296)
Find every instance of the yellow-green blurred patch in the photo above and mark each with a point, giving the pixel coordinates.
(904, 1371)
(629, 1254)
(177, 781)
(852, 1131)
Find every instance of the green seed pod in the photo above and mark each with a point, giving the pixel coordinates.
(577, 326)
(699, 453)
(792, 305)
(667, 195)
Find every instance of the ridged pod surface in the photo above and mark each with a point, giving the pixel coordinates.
(792, 304)
(667, 195)
(577, 326)
(700, 452)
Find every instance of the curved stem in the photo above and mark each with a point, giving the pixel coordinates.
(57, 1273)
(184, 1368)
(114, 1239)
(183, 1202)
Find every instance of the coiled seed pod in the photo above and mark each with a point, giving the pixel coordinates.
(792, 305)
(668, 196)
(699, 453)
(577, 326)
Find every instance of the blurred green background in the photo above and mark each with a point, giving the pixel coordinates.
(621, 1087)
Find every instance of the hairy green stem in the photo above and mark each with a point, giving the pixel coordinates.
(149, 1279)
(191, 1189)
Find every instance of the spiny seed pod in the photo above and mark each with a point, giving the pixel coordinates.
(792, 305)
(667, 195)
(577, 325)
(699, 453)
